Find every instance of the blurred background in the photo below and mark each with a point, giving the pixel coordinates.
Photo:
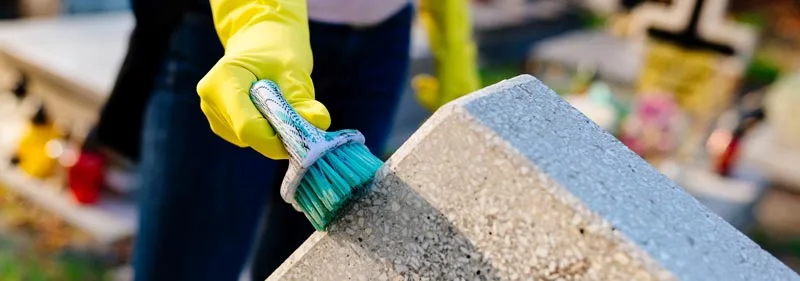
(707, 91)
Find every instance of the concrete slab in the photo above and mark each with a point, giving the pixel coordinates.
(80, 53)
(512, 183)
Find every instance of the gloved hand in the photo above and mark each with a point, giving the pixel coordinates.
(262, 40)
(449, 28)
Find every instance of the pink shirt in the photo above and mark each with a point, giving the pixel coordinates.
(354, 12)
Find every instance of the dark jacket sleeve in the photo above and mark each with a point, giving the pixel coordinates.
(120, 120)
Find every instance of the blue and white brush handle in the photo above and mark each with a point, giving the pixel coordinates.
(304, 142)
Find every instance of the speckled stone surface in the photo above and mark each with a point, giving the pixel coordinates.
(512, 183)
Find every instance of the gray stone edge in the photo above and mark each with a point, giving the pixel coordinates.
(729, 253)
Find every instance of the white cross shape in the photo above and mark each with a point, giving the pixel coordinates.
(712, 25)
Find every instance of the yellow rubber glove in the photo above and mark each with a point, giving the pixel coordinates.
(449, 28)
(262, 40)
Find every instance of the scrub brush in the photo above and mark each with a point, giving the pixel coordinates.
(326, 169)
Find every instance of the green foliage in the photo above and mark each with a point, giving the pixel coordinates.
(591, 20)
(80, 268)
(17, 265)
(762, 71)
(10, 268)
(754, 19)
(493, 74)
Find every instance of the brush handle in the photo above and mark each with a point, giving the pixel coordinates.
(304, 142)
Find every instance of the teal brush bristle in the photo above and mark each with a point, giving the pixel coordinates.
(334, 180)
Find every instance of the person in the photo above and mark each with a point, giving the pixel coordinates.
(208, 207)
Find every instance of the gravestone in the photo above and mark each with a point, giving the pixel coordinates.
(512, 183)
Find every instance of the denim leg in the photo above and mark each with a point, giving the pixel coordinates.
(282, 230)
(359, 76)
(201, 198)
(362, 79)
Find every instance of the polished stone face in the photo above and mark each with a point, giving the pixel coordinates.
(512, 183)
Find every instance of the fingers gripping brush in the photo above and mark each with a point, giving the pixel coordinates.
(326, 169)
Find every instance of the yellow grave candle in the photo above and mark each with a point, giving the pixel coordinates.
(33, 151)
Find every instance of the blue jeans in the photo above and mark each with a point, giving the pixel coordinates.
(207, 204)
